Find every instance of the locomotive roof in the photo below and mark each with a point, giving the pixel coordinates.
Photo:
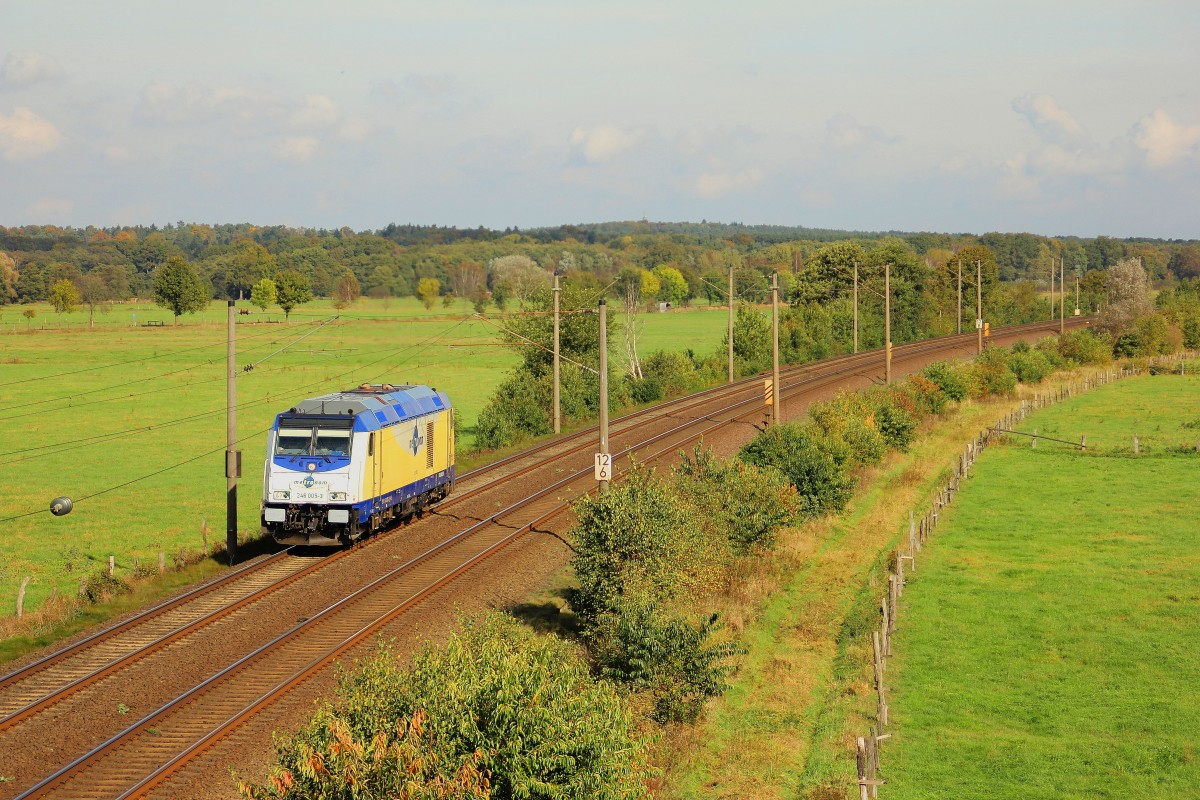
(374, 406)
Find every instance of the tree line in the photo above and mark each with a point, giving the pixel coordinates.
(401, 260)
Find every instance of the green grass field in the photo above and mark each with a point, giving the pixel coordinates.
(1048, 647)
(51, 393)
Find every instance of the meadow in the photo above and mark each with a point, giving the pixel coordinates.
(90, 413)
(1048, 647)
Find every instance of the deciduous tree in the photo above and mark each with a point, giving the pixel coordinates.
(178, 287)
(428, 290)
(292, 289)
(64, 296)
(346, 291)
(263, 294)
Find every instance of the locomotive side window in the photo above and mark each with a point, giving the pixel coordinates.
(332, 443)
(293, 441)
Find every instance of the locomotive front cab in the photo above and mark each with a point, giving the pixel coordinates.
(309, 497)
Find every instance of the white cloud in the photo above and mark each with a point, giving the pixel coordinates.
(165, 102)
(1016, 179)
(354, 130)
(26, 135)
(50, 207)
(25, 69)
(845, 134)
(316, 111)
(1166, 141)
(1047, 118)
(716, 184)
(602, 143)
(298, 149)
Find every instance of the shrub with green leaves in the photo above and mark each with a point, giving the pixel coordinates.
(824, 484)
(990, 374)
(674, 372)
(747, 503)
(1030, 366)
(676, 662)
(847, 427)
(896, 420)
(926, 394)
(1082, 346)
(638, 539)
(329, 761)
(497, 700)
(949, 379)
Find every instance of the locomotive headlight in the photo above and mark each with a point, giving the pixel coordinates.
(337, 495)
(281, 495)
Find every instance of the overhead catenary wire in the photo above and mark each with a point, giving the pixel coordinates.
(102, 438)
(539, 346)
(59, 398)
(126, 363)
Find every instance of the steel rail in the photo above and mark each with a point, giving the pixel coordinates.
(826, 376)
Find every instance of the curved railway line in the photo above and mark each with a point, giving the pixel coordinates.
(134, 759)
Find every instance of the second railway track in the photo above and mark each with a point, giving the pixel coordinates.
(132, 760)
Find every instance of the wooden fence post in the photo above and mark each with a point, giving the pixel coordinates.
(162, 562)
(862, 770)
(112, 565)
(21, 596)
(1034, 440)
(1137, 447)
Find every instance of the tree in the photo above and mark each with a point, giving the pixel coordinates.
(672, 288)
(465, 279)
(515, 276)
(347, 291)
(247, 264)
(178, 287)
(1129, 298)
(428, 290)
(8, 278)
(93, 291)
(64, 296)
(292, 289)
(829, 274)
(263, 294)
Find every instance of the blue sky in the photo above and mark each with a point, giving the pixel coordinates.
(1051, 117)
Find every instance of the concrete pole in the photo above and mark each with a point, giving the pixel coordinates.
(603, 384)
(1076, 295)
(979, 303)
(730, 323)
(231, 477)
(1051, 289)
(887, 324)
(960, 295)
(557, 378)
(776, 389)
(855, 306)
(1062, 296)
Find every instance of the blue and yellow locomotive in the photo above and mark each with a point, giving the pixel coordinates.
(345, 464)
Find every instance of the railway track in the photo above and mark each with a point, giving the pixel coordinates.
(146, 753)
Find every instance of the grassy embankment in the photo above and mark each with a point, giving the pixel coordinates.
(1050, 645)
(398, 342)
(1124, 711)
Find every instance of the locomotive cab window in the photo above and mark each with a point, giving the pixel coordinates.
(293, 442)
(331, 442)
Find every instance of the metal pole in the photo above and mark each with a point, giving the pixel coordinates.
(231, 471)
(603, 384)
(1077, 293)
(887, 323)
(731, 323)
(979, 303)
(776, 394)
(855, 306)
(557, 382)
(960, 295)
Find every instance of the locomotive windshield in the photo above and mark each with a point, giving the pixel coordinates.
(312, 440)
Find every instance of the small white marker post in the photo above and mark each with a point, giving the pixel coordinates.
(603, 468)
